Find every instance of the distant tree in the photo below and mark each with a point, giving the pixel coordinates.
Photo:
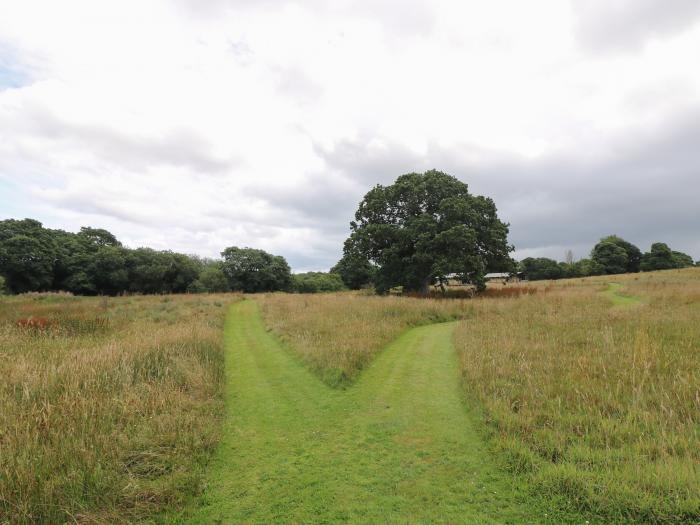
(660, 257)
(212, 279)
(569, 257)
(182, 272)
(354, 269)
(28, 254)
(586, 267)
(540, 268)
(148, 271)
(610, 262)
(426, 226)
(250, 270)
(108, 271)
(97, 237)
(315, 282)
(610, 256)
(2, 285)
(682, 260)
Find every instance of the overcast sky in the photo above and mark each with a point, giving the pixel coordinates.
(194, 125)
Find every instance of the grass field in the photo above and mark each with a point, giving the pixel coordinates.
(536, 403)
(599, 404)
(108, 407)
(338, 335)
(397, 446)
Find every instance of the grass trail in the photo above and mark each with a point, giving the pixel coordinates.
(618, 298)
(397, 447)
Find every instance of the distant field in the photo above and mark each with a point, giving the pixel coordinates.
(108, 407)
(593, 392)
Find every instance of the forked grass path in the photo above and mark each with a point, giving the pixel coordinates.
(397, 447)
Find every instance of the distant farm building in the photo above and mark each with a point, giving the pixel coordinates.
(503, 277)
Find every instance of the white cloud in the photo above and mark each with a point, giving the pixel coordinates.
(198, 125)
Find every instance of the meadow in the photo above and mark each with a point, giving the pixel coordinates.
(588, 390)
(584, 392)
(109, 407)
(338, 335)
(593, 393)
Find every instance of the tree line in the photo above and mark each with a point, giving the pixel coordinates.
(423, 229)
(611, 255)
(94, 262)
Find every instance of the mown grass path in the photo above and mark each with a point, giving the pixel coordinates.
(397, 447)
(618, 298)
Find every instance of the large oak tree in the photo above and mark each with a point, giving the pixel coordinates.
(426, 226)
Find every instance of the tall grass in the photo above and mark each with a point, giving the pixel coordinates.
(108, 407)
(337, 335)
(595, 403)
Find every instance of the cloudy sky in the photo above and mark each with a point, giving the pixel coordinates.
(199, 124)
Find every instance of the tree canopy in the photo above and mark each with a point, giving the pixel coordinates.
(354, 268)
(90, 262)
(316, 282)
(616, 255)
(251, 270)
(661, 257)
(611, 255)
(426, 226)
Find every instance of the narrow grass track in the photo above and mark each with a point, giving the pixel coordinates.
(619, 299)
(397, 447)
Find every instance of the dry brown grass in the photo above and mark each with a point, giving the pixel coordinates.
(337, 335)
(108, 407)
(596, 403)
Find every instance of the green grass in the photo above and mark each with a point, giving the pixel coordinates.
(109, 407)
(396, 447)
(618, 297)
(593, 397)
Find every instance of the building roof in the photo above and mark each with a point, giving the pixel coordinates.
(497, 275)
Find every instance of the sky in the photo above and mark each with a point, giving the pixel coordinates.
(194, 125)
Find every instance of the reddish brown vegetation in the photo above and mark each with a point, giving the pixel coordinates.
(508, 291)
(34, 323)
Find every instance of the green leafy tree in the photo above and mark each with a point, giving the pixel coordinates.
(660, 257)
(354, 269)
(541, 268)
(610, 256)
(28, 254)
(212, 279)
(182, 272)
(250, 270)
(97, 237)
(315, 282)
(586, 267)
(148, 270)
(634, 254)
(426, 226)
(108, 271)
(682, 260)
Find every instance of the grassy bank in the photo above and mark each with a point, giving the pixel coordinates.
(594, 398)
(337, 335)
(108, 407)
